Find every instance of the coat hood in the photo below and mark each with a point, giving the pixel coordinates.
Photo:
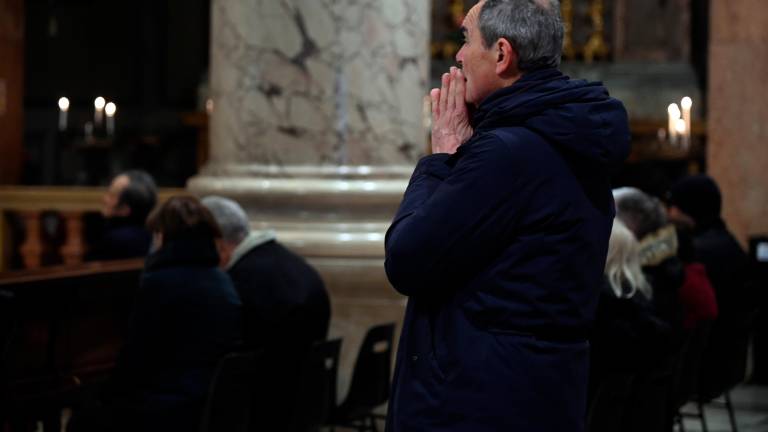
(576, 116)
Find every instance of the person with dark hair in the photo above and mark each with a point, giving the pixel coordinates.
(130, 198)
(187, 316)
(501, 238)
(695, 202)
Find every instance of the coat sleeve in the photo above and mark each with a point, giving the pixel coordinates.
(454, 220)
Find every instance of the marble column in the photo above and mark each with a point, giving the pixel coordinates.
(317, 123)
(737, 154)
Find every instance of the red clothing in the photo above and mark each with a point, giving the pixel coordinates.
(697, 296)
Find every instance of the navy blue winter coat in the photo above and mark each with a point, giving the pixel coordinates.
(500, 248)
(187, 316)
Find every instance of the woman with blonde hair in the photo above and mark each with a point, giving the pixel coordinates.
(622, 266)
(625, 334)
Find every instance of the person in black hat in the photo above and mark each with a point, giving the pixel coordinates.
(695, 203)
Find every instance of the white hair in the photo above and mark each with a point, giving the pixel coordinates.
(622, 266)
(232, 219)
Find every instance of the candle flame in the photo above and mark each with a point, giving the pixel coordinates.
(110, 109)
(99, 103)
(64, 104)
(686, 103)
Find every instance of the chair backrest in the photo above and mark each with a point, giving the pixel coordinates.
(317, 386)
(229, 398)
(371, 376)
(724, 363)
(687, 375)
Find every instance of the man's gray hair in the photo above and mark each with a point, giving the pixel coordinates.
(232, 219)
(532, 27)
(640, 212)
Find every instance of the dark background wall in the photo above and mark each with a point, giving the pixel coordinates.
(148, 56)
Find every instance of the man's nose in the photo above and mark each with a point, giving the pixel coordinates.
(460, 56)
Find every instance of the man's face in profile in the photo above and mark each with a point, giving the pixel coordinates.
(110, 207)
(478, 62)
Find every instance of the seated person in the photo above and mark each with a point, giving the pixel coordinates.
(283, 296)
(625, 337)
(285, 306)
(126, 205)
(696, 202)
(187, 316)
(645, 216)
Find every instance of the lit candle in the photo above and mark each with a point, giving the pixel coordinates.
(63, 109)
(686, 104)
(98, 114)
(674, 116)
(110, 109)
(680, 129)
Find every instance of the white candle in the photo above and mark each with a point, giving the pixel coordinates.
(686, 105)
(674, 115)
(680, 127)
(110, 110)
(98, 114)
(63, 109)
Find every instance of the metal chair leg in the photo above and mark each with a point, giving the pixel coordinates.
(703, 417)
(731, 412)
(680, 422)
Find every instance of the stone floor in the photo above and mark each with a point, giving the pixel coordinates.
(751, 406)
(750, 403)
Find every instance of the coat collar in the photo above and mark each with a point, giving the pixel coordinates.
(251, 241)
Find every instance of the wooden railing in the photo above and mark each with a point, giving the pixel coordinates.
(61, 329)
(71, 203)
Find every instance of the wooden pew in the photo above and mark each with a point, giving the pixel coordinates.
(62, 330)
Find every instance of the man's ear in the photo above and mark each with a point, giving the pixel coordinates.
(506, 58)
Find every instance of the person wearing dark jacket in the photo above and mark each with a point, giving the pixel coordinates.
(626, 337)
(130, 198)
(501, 237)
(285, 306)
(696, 202)
(187, 316)
(645, 216)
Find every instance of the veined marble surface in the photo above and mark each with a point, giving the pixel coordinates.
(318, 82)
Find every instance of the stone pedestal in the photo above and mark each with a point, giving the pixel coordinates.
(317, 123)
(737, 155)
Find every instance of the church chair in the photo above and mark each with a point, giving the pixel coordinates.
(317, 386)
(228, 407)
(370, 381)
